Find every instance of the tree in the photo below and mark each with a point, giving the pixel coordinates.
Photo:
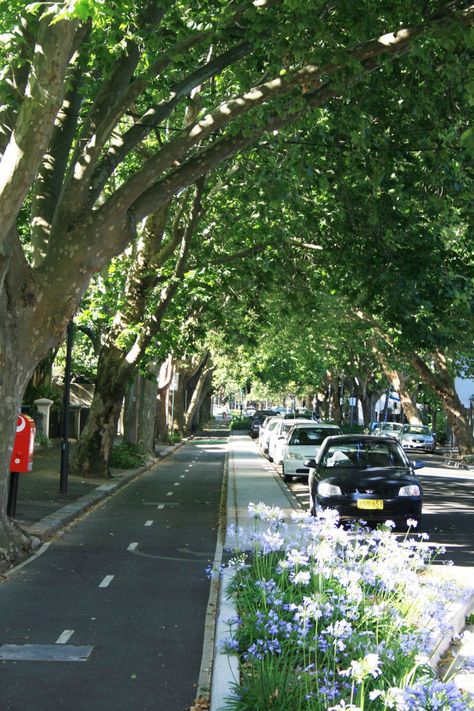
(89, 148)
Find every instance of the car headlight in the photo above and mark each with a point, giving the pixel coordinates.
(326, 489)
(294, 455)
(411, 490)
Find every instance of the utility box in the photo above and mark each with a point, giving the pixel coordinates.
(22, 455)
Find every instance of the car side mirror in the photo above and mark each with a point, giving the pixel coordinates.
(310, 463)
(418, 464)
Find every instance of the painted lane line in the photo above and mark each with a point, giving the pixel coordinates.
(132, 546)
(149, 523)
(182, 476)
(170, 493)
(176, 483)
(161, 506)
(106, 581)
(64, 637)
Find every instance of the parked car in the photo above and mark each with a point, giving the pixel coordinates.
(303, 441)
(278, 438)
(388, 429)
(257, 421)
(266, 428)
(417, 437)
(364, 477)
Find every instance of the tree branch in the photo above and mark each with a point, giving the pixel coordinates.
(43, 98)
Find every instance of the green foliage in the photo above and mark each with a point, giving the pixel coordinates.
(240, 423)
(127, 456)
(41, 440)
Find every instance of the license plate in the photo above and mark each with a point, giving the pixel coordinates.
(369, 504)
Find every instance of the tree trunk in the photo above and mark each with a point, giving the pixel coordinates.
(442, 382)
(398, 381)
(95, 445)
(162, 405)
(146, 416)
(197, 396)
(17, 364)
(336, 412)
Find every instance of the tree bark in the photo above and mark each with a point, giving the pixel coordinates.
(399, 382)
(442, 383)
(192, 413)
(95, 445)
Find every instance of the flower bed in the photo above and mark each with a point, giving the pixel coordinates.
(336, 619)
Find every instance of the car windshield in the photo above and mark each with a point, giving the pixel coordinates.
(416, 429)
(392, 426)
(312, 435)
(362, 455)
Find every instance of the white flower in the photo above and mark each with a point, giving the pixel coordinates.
(368, 666)
(411, 523)
(301, 578)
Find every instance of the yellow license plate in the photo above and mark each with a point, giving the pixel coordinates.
(369, 504)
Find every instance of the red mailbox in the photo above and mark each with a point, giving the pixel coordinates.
(22, 455)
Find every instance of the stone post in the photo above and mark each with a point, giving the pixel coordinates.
(44, 405)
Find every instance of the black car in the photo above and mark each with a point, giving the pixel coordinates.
(365, 477)
(257, 421)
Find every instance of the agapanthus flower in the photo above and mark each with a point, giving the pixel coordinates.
(434, 695)
(302, 577)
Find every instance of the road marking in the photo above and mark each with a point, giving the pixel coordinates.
(170, 493)
(149, 523)
(160, 506)
(182, 476)
(64, 637)
(106, 581)
(176, 483)
(44, 653)
(132, 546)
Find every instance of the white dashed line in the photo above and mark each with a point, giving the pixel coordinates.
(64, 637)
(106, 581)
(176, 483)
(161, 506)
(149, 523)
(182, 476)
(170, 493)
(132, 546)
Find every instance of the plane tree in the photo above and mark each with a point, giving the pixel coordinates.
(92, 138)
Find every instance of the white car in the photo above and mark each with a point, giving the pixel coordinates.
(417, 437)
(265, 431)
(303, 442)
(278, 438)
(388, 429)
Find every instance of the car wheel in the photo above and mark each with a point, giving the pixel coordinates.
(286, 477)
(270, 459)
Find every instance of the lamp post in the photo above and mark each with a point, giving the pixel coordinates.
(64, 471)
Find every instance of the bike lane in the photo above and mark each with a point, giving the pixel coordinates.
(112, 615)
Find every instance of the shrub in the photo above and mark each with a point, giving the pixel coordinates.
(240, 423)
(127, 456)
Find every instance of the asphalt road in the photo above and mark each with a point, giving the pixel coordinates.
(111, 616)
(448, 508)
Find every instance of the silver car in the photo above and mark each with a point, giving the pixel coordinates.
(417, 437)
